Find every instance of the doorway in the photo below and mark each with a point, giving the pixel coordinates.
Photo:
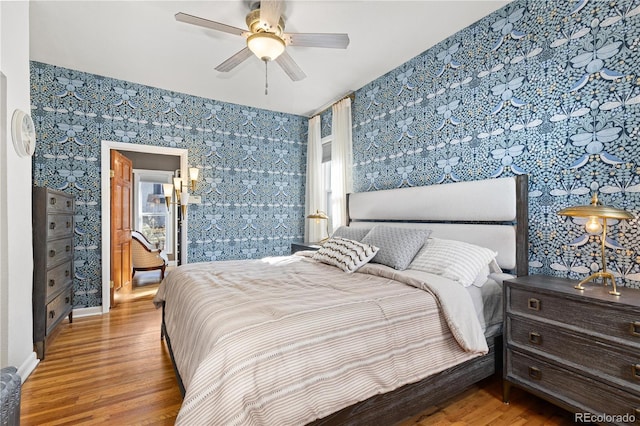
(106, 148)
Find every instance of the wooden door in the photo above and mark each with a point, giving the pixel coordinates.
(121, 174)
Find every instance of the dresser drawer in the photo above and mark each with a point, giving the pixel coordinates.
(59, 225)
(59, 251)
(59, 203)
(57, 278)
(608, 320)
(58, 308)
(597, 358)
(579, 392)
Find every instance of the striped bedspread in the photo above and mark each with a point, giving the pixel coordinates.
(287, 340)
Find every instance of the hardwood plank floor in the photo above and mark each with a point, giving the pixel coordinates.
(114, 369)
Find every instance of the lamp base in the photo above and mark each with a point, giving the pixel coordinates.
(604, 276)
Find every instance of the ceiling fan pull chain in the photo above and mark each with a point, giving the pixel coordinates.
(266, 80)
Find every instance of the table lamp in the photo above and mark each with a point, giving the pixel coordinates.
(318, 216)
(596, 212)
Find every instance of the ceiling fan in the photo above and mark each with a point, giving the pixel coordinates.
(266, 38)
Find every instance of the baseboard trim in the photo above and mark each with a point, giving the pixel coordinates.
(28, 366)
(87, 312)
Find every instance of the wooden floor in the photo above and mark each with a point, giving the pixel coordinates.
(114, 369)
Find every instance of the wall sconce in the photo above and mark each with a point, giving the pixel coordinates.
(318, 216)
(595, 212)
(182, 195)
(193, 177)
(177, 185)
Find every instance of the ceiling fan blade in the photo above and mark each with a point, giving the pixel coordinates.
(270, 11)
(335, 41)
(289, 66)
(235, 60)
(201, 22)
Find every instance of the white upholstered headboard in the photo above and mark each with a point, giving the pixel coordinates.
(492, 213)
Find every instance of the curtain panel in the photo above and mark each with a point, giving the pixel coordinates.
(314, 195)
(341, 161)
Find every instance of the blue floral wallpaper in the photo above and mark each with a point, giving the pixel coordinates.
(547, 88)
(252, 163)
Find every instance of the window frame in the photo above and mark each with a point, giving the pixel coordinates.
(157, 177)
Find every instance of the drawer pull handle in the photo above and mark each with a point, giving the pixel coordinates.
(52, 314)
(636, 371)
(68, 224)
(67, 300)
(66, 273)
(52, 283)
(535, 338)
(67, 248)
(52, 200)
(534, 304)
(635, 328)
(69, 203)
(535, 373)
(52, 253)
(52, 225)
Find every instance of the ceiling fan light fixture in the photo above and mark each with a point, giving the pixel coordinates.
(266, 46)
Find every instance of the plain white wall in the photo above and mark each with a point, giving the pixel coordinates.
(16, 252)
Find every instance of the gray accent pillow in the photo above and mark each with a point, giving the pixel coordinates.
(398, 246)
(348, 255)
(350, 233)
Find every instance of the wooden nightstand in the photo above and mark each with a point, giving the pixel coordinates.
(299, 246)
(577, 349)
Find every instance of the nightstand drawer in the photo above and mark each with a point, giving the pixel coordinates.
(608, 320)
(59, 251)
(57, 278)
(58, 308)
(597, 358)
(59, 203)
(579, 392)
(59, 225)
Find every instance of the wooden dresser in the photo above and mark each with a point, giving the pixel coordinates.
(577, 349)
(52, 263)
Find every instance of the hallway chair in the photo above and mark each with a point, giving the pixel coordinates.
(144, 257)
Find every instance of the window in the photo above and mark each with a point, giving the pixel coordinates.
(151, 216)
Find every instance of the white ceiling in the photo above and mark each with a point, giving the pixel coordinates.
(140, 41)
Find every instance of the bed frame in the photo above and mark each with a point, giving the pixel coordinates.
(492, 213)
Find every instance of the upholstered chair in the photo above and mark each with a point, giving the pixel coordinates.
(145, 257)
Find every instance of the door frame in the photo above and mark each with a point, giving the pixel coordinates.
(105, 180)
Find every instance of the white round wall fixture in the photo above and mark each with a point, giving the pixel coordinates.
(23, 133)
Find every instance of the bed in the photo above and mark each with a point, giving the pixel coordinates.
(297, 340)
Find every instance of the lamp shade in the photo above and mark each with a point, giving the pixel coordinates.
(266, 46)
(184, 198)
(596, 209)
(193, 173)
(167, 188)
(318, 215)
(177, 184)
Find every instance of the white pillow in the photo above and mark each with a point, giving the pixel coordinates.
(348, 255)
(484, 273)
(456, 260)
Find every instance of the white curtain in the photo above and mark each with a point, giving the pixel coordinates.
(315, 195)
(341, 161)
